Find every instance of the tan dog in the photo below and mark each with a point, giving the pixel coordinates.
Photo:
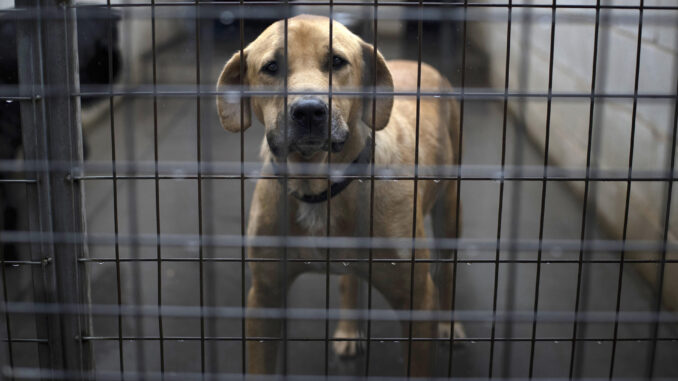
(309, 140)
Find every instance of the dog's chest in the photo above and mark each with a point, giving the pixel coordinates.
(312, 218)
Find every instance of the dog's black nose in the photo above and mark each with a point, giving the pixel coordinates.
(309, 112)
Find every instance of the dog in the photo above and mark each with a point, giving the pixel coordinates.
(297, 136)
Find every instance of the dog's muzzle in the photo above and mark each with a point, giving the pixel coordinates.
(307, 131)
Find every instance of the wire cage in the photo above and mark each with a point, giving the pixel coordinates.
(124, 225)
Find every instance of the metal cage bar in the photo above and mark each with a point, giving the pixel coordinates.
(627, 200)
(51, 132)
(542, 205)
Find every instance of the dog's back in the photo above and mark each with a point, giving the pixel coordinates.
(438, 147)
(438, 124)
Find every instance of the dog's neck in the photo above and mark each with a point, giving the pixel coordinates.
(356, 167)
(359, 141)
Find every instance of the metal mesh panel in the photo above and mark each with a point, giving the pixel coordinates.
(125, 219)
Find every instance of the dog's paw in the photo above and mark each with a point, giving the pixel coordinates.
(444, 330)
(347, 348)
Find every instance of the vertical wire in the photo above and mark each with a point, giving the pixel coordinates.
(590, 218)
(198, 153)
(586, 192)
(10, 352)
(519, 135)
(157, 190)
(622, 253)
(436, 268)
(370, 252)
(285, 206)
(34, 12)
(416, 174)
(243, 231)
(136, 271)
(501, 186)
(544, 184)
(667, 221)
(31, 13)
(209, 289)
(130, 148)
(39, 115)
(455, 252)
(115, 186)
(329, 197)
(70, 53)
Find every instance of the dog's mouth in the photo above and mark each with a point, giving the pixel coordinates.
(307, 148)
(307, 142)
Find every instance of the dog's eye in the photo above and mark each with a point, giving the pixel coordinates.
(338, 62)
(270, 68)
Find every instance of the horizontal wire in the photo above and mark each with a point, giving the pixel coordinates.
(191, 241)
(58, 374)
(19, 263)
(475, 316)
(233, 93)
(268, 10)
(347, 261)
(405, 4)
(25, 341)
(339, 339)
(378, 178)
(377, 339)
(18, 181)
(232, 170)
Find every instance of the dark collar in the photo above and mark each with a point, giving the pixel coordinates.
(335, 188)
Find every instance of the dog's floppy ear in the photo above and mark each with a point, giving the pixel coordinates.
(384, 83)
(228, 102)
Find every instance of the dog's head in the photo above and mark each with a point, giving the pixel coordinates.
(313, 126)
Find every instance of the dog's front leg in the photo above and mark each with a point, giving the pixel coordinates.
(347, 328)
(270, 280)
(423, 298)
(267, 292)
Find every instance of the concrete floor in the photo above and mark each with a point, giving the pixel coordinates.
(180, 281)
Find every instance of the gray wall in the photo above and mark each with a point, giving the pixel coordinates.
(572, 73)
